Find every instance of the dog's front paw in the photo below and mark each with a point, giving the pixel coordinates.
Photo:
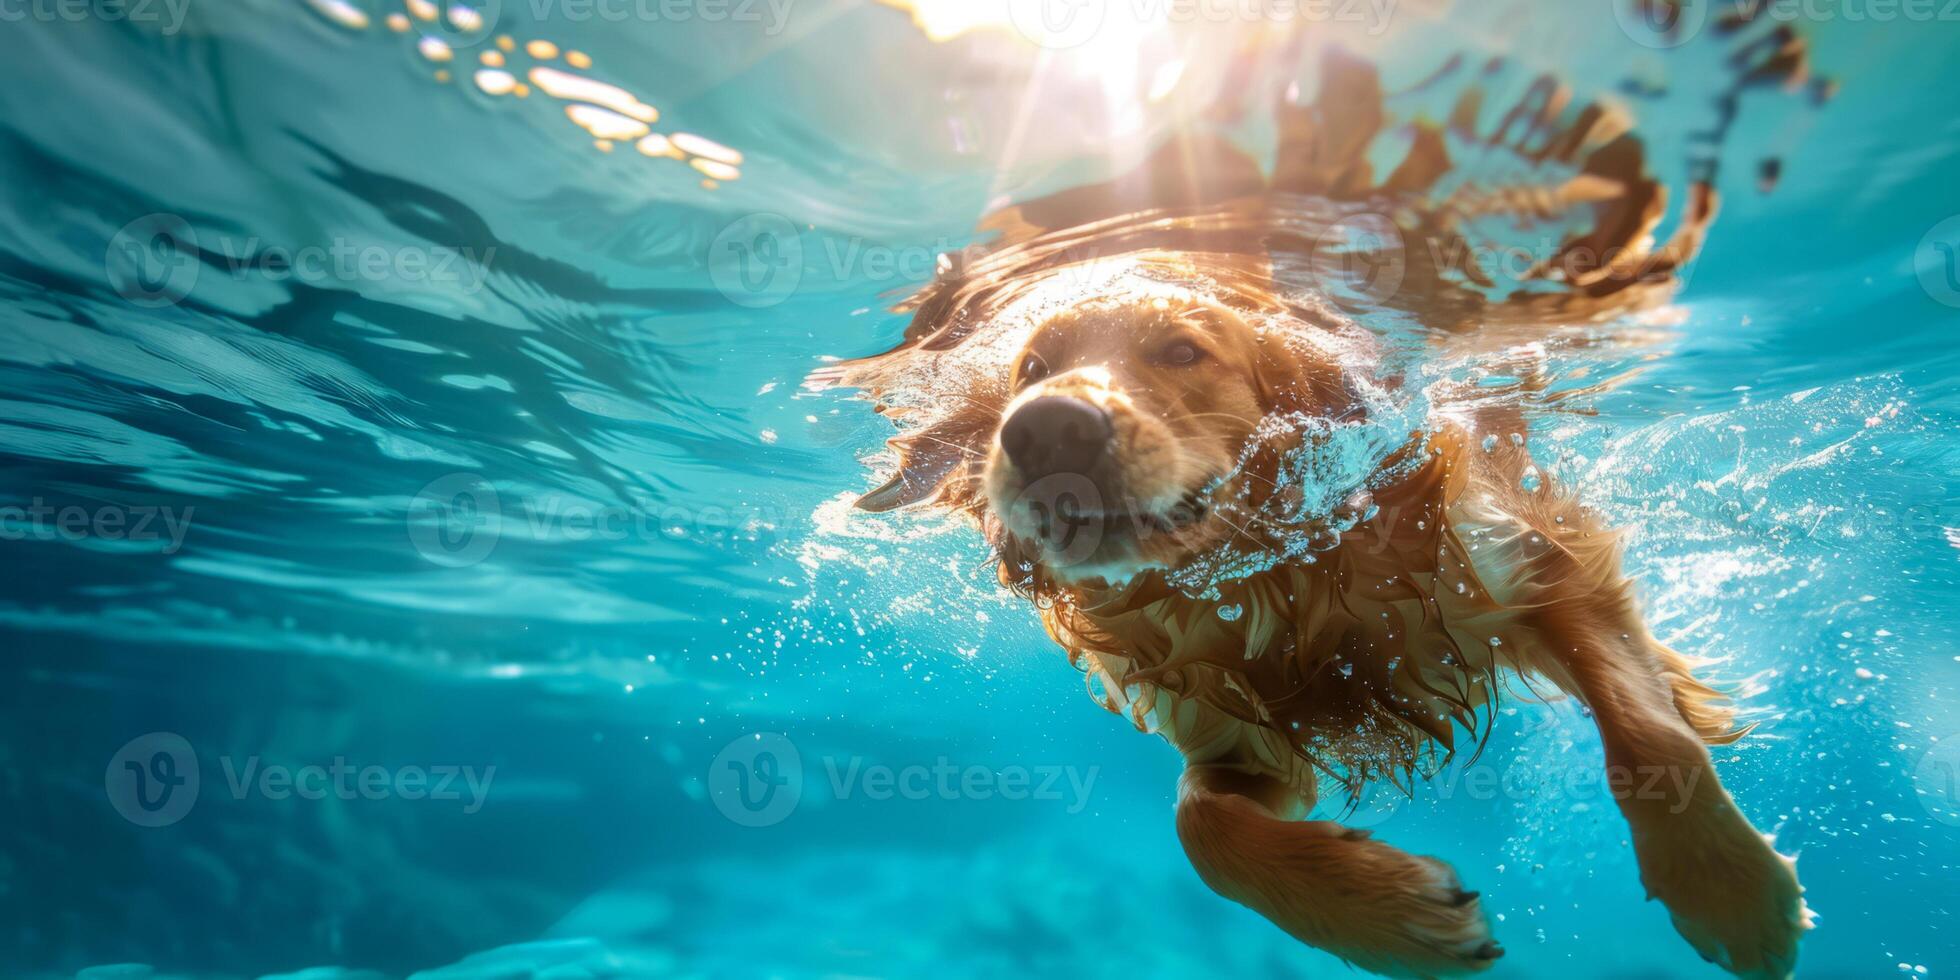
(1733, 897)
(1751, 927)
(1437, 929)
(1379, 908)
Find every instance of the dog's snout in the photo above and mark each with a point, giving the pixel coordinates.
(1055, 434)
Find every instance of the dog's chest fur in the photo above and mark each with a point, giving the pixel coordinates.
(1361, 663)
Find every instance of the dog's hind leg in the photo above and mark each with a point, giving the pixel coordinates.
(1729, 893)
(1377, 907)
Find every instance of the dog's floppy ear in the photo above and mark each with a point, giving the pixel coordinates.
(927, 457)
(922, 466)
(937, 445)
(924, 457)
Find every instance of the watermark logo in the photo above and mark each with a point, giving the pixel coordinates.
(453, 521)
(1058, 24)
(1661, 24)
(757, 780)
(1936, 780)
(1360, 258)
(1937, 262)
(152, 262)
(1061, 513)
(152, 781)
(464, 24)
(757, 261)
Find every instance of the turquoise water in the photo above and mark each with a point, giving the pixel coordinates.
(443, 447)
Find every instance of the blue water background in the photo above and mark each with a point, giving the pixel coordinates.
(1786, 464)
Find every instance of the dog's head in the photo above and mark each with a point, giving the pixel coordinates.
(1126, 443)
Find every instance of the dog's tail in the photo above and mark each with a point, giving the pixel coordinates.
(1379, 908)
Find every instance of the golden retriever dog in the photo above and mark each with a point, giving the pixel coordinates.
(1156, 405)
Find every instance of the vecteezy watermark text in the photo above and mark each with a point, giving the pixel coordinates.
(773, 15)
(158, 259)
(169, 14)
(1063, 24)
(946, 780)
(39, 520)
(154, 780)
(1671, 23)
(761, 259)
(1672, 787)
(457, 520)
(758, 780)
(343, 781)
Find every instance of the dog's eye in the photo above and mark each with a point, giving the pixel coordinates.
(1181, 354)
(1033, 369)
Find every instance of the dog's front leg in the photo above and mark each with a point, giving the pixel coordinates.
(1728, 891)
(1377, 907)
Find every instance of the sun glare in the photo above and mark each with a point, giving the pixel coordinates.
(1090, 31)
(1107, 44)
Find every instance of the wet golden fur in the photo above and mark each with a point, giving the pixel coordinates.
(1368, 661)
(1378, 651)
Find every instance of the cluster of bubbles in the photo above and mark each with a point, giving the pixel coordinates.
(1328, 469)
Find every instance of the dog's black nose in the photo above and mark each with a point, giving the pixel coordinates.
(1055, 434)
